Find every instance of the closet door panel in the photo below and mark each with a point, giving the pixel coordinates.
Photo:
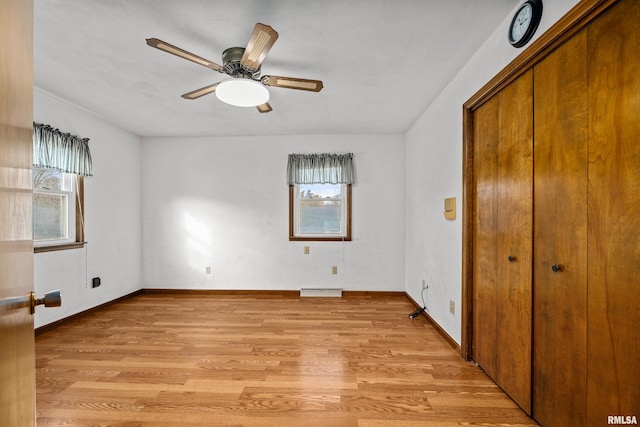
(513, 293)
(614, 214)
(560, 233)
(485, 250)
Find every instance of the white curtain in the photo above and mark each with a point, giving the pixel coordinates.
(324, 168)
(53, 149)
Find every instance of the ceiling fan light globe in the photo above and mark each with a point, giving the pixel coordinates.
(242, 93)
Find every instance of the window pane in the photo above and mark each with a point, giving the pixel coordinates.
(318, 216)
(51, 180)
(320, 191)
(49, 216)
(320, 212)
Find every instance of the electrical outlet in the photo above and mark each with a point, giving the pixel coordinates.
(306, 250)
(452, 307)
(334, 269)
(207, 270)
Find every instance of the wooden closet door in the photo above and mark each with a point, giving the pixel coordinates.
(502, 239)
(613, 367)
(515, 233)
(485, 263)
(560, 236)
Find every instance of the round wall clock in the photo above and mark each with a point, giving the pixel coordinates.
(525, 22)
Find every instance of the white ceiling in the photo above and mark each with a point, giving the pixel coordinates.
(382, 61)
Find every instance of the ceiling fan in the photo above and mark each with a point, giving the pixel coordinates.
(246, 88)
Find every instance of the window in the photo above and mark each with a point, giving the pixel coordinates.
(53, 207)
(320, 196)
(58, 197)
(320, 212)
(56, 209)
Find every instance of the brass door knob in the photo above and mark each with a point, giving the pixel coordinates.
(50, 299)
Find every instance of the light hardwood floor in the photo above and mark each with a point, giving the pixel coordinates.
(191, 360)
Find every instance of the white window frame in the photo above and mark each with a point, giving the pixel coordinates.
(71, 195)
(294, 217)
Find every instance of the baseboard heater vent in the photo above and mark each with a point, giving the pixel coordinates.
(321, 292)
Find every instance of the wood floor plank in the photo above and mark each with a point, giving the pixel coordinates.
(183, 361)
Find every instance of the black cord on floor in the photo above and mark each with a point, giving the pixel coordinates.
(421, 310)
(416, 313)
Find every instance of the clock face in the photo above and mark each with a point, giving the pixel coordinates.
(525, 22)
(521, 22)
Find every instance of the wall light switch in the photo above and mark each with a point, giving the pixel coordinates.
(334, 269)
(450, 208)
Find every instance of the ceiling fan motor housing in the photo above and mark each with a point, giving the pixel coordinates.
(231, 63)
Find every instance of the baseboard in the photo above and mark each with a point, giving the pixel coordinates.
(437, 327)
(261, 293)
(225, 292)
(53, 325)
(374, 294)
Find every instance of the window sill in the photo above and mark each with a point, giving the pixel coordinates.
(319, 239)
(62, 247)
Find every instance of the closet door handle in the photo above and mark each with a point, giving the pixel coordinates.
(557, 268)
(511, 258)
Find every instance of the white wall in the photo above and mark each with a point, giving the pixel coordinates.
(112, 216)
(223, 202)
(433, 154)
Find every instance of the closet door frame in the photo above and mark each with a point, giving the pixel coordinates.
(574, 21)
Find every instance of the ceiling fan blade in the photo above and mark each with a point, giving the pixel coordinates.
(174, 50)
(262, 39)
(201, 92)
(264, 108)
(293, 83)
